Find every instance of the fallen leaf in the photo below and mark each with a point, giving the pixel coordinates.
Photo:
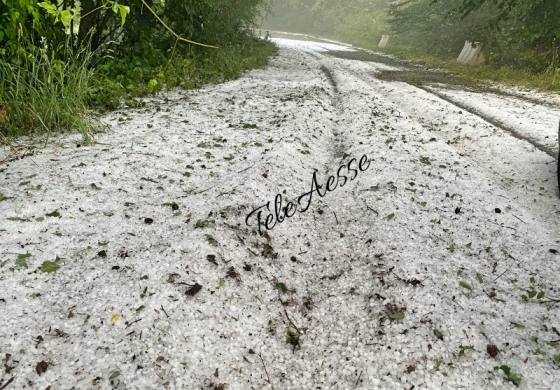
(398, 315)
(115, 318)
(49, 266)
(212, 259)
(512, 377)
(232, 273)
(21, 261)
(211, 240)
(115, 374)
(492, 350)
(438, 334)
(193, 289)
(41, 367)
(269, 252)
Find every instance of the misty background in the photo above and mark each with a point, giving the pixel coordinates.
(516, 33)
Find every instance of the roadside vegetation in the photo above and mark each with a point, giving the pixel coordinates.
(521, 38)
(60, 59)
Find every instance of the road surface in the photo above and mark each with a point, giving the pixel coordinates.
(432, 262)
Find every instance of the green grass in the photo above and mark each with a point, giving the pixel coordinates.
(548, 80)
(42, 94)
(230, 62)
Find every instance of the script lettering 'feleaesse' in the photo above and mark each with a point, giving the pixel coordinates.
(269, 218)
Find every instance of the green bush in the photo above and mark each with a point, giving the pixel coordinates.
(134, 76)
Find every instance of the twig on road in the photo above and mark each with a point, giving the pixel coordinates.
(359, 377)
(265, 370)
(7, 383)
(369, 208)
(335, 217)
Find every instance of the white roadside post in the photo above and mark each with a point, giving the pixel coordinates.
(471, 54)
(384, 40)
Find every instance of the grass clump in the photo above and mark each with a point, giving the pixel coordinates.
(48, 91)
(41, 93)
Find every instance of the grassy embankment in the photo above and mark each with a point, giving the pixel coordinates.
(548, 80)
(43, 95)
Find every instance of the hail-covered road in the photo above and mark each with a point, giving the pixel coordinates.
(430, 263)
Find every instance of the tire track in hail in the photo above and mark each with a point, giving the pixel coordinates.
(422, 82)
(518, 176)
(339, 148)
(494, 122)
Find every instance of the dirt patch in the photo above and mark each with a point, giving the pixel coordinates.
(368, 56)
(419, 75)
(416, 75)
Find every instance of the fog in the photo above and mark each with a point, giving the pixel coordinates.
(517, 33)
(356, 21)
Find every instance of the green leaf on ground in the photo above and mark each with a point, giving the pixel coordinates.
(211, 240)
(21, 261)
(398, 315)
(203, 223)
(464, 348)
(114, 375)
(511, 376)
(425, 160)
(49, 266)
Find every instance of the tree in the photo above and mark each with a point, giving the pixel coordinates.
(522, 33)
